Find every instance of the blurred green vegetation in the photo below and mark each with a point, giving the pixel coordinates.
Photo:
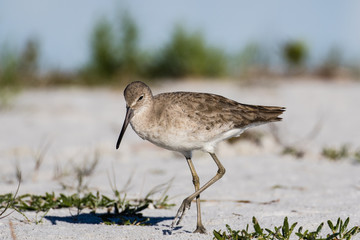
(104, 60)
(188, 54)
(17, 68)
(116, 58)
(113, 55)
(295, 54)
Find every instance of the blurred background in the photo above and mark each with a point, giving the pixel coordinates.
(91, 42)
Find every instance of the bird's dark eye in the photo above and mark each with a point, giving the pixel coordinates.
(140, 98)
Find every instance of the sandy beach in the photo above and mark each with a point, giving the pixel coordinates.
(72, 126)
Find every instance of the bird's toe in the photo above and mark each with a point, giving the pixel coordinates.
(200, 229)
(181, 212)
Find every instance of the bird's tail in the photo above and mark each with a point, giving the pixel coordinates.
(257, 114)
(270, 113)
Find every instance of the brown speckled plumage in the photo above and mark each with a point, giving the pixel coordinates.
(211, 109)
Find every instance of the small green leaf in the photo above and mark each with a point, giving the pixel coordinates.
(318, 230)
(344, 226)
(338, 224)
(331, 226)
(218, 235)
(257, 227)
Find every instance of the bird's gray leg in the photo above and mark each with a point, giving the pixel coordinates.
(196, 181)
(187, 201)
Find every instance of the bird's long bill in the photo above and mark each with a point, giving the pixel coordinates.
(129, 115)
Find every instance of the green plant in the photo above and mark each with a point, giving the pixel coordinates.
(126, 211)
(336, 154)
(129, 51)
(357, 156)
(293, 151)
(340, 153)
(9, 65)
(340, 229)
(9, 76)
(284, 232)
(241, 234)
(29, 62)
(310, 235)
(104, 60)
(114, 51)
(7, 201)
(18, 68)
(187, 54)
(295, 54)
(121, 206)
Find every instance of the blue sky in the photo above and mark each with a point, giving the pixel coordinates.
(63, 27)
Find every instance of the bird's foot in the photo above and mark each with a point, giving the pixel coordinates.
(181, 212)
(200, 229)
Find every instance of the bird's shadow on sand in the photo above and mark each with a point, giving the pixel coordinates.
(98, 218)
(113, 219)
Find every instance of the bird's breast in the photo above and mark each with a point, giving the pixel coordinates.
(169, 135)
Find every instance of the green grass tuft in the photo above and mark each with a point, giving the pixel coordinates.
(126, 211)
(339, 231)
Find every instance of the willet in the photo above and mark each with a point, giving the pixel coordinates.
(188, 121)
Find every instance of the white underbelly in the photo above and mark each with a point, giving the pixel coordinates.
(185, 142)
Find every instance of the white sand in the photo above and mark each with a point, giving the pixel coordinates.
(77, 122)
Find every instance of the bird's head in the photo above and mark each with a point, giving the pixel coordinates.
(138, 97)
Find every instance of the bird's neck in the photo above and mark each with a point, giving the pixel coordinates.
(142, 121)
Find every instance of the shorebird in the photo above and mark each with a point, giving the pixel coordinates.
(188, 121)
